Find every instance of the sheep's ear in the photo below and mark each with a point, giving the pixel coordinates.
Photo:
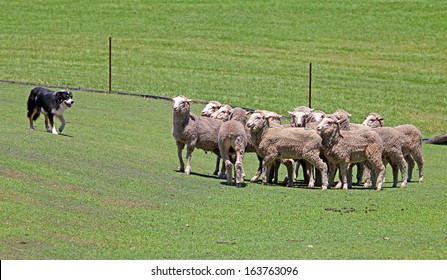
(380, 119)
(291, 113)
(189, 100)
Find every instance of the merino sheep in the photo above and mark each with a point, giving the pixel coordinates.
(208, 111)
(306, 117)
(413, 151)
(210, 108)
(274, 119)
(232, 139)
(192, 131)
(344, 147)
(274, 143)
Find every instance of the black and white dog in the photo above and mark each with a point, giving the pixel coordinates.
(50, 103)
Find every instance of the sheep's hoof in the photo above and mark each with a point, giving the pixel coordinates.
(323, 188)
(421, 180)
(187, 171)
(254, 179)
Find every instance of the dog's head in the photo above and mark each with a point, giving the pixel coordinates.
(65, 98)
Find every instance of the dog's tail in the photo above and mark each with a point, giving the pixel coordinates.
(32, 104)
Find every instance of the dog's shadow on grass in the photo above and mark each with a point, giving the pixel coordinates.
(66, 135)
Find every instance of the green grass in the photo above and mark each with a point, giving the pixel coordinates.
(109, 189)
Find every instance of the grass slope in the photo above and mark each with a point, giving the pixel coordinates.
(108, 189)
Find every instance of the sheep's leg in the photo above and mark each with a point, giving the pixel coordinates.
(410, 162)
(297, 168)
(189, 150)
(319, 163)
(267, 164)
(229, 170)
(359, 176)
(332, 169)
(367, 175)
(255, 178)
(180, 146)
(395, 173)
(318, 180)
(222, 171)
(417, 156)
(274, 172)
(238, 168)
(340, 181)
(310, 172)
(343, 167)
(349, 175)
(403, 171)
(303, 165)
(216, 170)
(378, 169)
(290, 172)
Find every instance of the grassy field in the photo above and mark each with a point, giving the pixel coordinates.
(108, 188)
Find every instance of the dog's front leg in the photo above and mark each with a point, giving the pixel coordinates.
(52, 126)
(47, 127)
(62, 119)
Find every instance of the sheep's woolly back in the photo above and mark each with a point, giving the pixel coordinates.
(346, 145)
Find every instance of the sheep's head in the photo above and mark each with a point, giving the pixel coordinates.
(181, 104)
(262, 118)
(210, 108)
(328, 122)
(300, 119)
(343, 118)
(223, 113)
(373, 120)
(317, 116)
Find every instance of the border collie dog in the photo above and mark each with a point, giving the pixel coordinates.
(50, 103)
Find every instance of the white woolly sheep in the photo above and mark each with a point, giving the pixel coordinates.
(344, 147)
(413, 151)
(192, 131)
(232, 139)
(274, 143)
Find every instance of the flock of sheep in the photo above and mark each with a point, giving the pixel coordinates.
(316, 141)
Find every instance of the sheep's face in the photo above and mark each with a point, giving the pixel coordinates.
(299, 119)
(256, 121)
(373, 120)
(317, 116)
(327, 123)
(223, 113)
(210, 108)
(181, 104)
